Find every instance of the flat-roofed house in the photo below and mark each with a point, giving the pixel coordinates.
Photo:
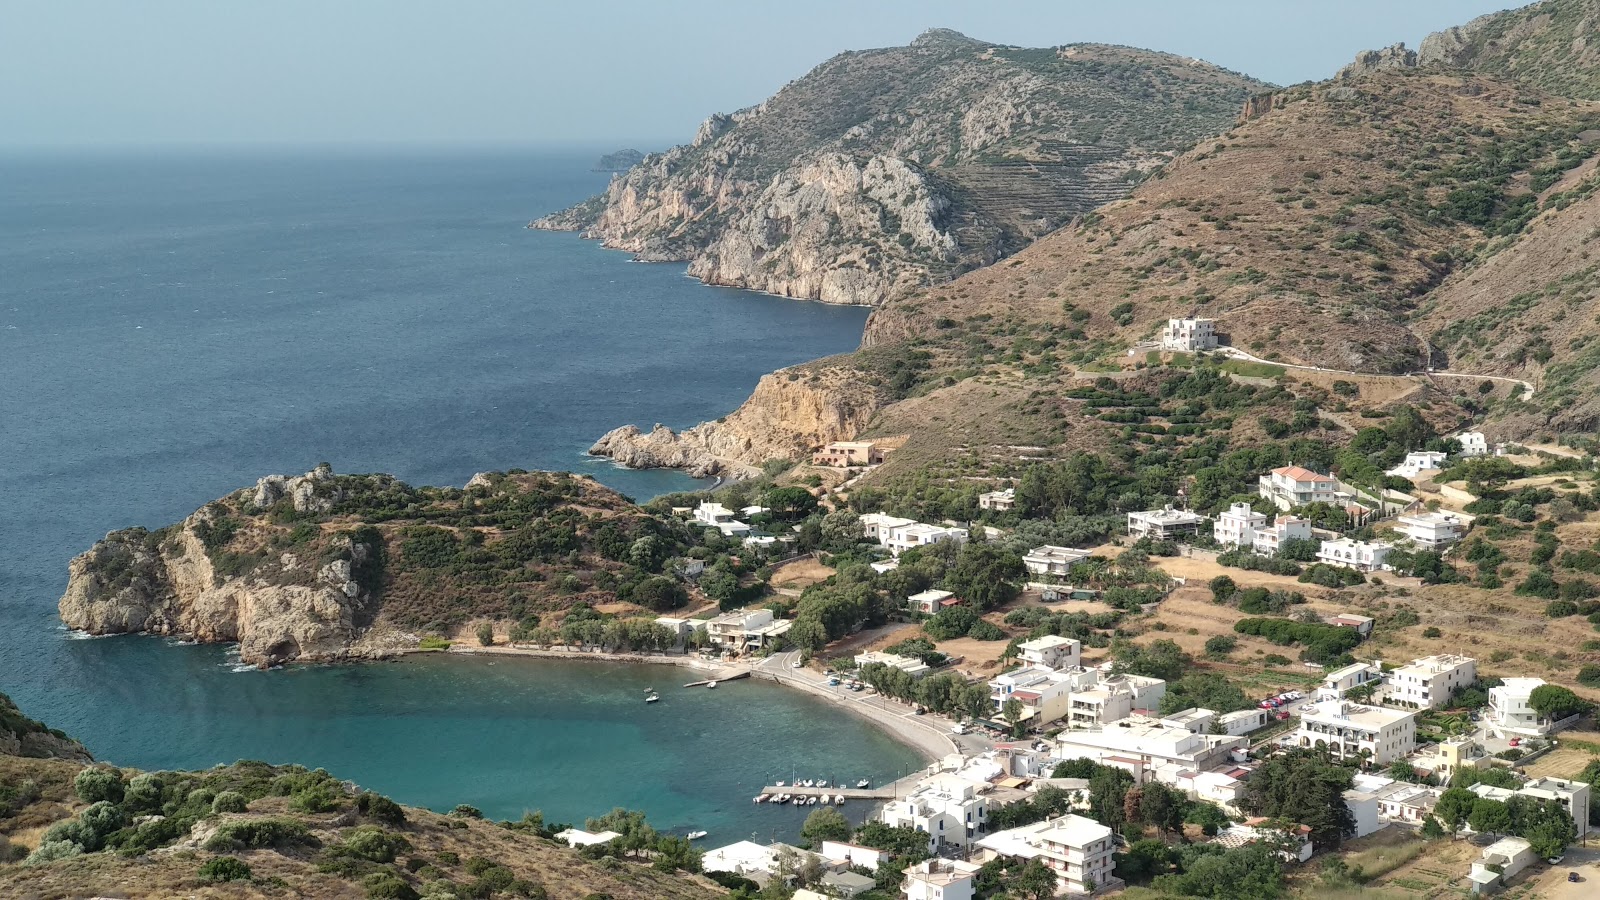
(849, 453)
(1433, 530)
(1189, 335)
(1430, 682)
(1336, 683)
(929, 602)
(879, 526)
(1051, 651)
(1363, 556)
(918, 534)
(998, 501)
(1077, 849)
(1353, 731)
(1165, 523)
(1237, 526)
(940, 879)
(1052, 560)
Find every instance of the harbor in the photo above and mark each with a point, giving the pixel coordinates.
(808, 793)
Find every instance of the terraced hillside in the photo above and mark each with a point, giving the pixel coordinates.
(883, 171)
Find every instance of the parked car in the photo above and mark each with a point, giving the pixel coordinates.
(1283, 715)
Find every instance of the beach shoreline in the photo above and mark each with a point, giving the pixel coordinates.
(923, 738)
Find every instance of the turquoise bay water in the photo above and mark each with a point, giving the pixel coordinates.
(172, 329)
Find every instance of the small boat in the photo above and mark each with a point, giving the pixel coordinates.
(863, 784)
(822, 782)
(759, 798)
(695, 835)
(711, 684)
(777, 784)
(838, 800)
(652, 698)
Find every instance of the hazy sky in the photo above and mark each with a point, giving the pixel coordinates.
(85, 72)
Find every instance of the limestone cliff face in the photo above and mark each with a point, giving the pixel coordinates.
(285, 607)
(22, 736)
(884, 171)
(790, 413)
(814, 232)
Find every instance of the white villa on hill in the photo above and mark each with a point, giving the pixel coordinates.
(1363, 556)
(1164, 524)
(1189, 335)
(1243, 527)
(1433, 530)
(1052, 560)
(999, 501)
(1418, 462)
(1509, 713)
(1429, 682)
(1077, 849)
(1292, 486)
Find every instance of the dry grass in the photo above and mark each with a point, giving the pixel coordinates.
(800, 573)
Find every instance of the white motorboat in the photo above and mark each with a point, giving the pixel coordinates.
(652, 698)
(695, 835)
(862, 784)
(711, 684)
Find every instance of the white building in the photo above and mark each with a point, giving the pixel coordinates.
(1243, 722)
(1429, 682)
(1418, 462)
(1189, 335)
(885, 565)
(878, 526)
(1348, 729)
(1165, 523)
(1433, 530)
(1051, 651)
(917, 534)
(999, 501)
(949, 809)
(1292, 486)
(853, 854)
(1363, 556)
(750, 859)
(929, 602)
(1237, 526)
(1052, 560)
(1501, 861)
(1043, 693)
(1271, 539)
(1148, 749)
(910, 665)
(1473, 443)
(1510, 715)
(715, 515)
(1574, 795)
(1335, 683)
(1112, 698)
(746, 629)
(940, 879)
(1077, 849)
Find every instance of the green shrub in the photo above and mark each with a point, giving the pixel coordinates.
(75, 832)
(373, 844)
(317, 798)
(433, 642)
(229, 802)
(388, 886)
(1589, 676)
(380, 808)
(463, 811)
(224, 868)
(50, 851)
(260, 834)
(94, 785)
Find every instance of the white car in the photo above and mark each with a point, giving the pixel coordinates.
(796, 664)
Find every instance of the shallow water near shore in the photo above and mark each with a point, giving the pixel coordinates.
(172, 329)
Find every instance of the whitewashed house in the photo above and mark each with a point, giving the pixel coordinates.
(930, 601)
(1418, 462)
(1433, 530)
(1501, 861)
(1473, 443)
(998, 501)
(1052, 560)
(949, 809)
(1336, 683)
(1189, 335)
(1164, 524)
(1237, 526)
(879, 526)
(917, 534)
(1510, 714)
(1363, 556)
(940, 879)
(746, 629)
(1051, 651)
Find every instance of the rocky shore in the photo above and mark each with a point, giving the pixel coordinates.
(790, 413)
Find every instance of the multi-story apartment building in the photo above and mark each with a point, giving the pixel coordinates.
(1078, 850)
(1165, 523)
(1237, 526)
(1429, 682)
(949, 809)
(1510, 714)
(1052, 651)
(1335, 683)
(1353, 731)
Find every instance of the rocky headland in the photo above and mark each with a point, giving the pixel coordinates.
(333, 567)
(620, 161)
(884, 171)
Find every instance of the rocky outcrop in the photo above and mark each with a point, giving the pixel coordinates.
(277, 605)
(885, 171)
(790, 413)
(815, 232)
(1369, 61)
(620, 161)
(22, 736)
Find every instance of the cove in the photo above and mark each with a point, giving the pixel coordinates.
(173, 328)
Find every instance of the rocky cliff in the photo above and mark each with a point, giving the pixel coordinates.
(180, 581)
(22, 736)
(620, 161)
(325, 567)
(790, 413)
(883, 171)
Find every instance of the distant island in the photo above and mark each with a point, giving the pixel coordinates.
(620, 161)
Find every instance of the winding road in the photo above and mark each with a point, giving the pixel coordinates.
(1236, 353)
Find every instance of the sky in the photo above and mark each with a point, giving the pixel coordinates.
(84, 73)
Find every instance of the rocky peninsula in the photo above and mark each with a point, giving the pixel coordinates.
(334, 567)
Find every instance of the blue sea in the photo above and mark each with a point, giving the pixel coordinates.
(173, 327)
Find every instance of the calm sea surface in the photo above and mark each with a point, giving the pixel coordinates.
(171, 329)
